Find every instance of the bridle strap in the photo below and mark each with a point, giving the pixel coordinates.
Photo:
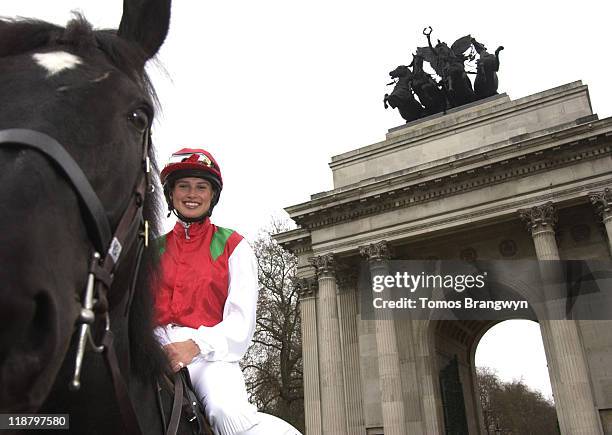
(95, 215)
(99, 230)
(176, 406)
(121, 392)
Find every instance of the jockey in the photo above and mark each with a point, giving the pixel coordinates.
(206, 297)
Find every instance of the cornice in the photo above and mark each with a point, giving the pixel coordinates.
(489, 173)
(517, 147)
(297, 241)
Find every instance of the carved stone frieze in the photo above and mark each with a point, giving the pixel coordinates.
(376, 251)
(539, 216)
(306, 287)
(602, 201)
(324, 264)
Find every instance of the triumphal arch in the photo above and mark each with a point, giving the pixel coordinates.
(499, 179)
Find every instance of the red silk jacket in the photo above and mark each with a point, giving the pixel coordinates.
(192, 287)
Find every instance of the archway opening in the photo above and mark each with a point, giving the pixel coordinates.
(512, 380)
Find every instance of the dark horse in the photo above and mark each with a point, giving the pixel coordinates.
(448, 62)
(426, 88)
(402, 96)
(485, 84)
(86, 90)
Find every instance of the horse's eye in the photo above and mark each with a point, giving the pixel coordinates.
(139, 119)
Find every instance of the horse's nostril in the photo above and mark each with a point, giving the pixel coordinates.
(25, 346)
(27, 324)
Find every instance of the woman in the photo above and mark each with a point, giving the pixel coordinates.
(206, 297)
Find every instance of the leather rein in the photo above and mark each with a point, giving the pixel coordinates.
(108, 248)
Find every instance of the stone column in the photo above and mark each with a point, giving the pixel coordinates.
(394, 420)
(333, 406)
(567, 364)
(307, 288)
(603, 203)
(347, 313)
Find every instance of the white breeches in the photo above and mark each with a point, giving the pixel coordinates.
(220, 387)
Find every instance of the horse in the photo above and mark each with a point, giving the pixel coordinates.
(448, 62)
(402, 96)
(487, 65)
(75, 121)
(426, 88)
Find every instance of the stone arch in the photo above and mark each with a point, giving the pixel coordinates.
(436, 342)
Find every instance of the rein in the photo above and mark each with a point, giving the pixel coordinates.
(107, 253)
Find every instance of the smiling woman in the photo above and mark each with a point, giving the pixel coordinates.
(206, 297)
(191, 197)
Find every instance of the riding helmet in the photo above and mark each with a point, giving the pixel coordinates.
(192, 162)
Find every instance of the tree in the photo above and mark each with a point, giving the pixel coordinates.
(513, 408)
(273, 364)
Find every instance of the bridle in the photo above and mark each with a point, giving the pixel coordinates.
(108, 248)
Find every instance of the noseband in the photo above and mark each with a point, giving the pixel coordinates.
(107, 251)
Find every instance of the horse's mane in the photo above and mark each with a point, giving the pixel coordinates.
(22, 35)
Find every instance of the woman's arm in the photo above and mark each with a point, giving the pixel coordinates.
(229, 339)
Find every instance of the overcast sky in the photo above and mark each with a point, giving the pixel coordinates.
(275, 88)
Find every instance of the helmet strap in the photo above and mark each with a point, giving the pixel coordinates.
(190, 220)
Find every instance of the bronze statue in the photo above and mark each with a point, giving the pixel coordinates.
(402, 96)
(454, 88)
(487, 65)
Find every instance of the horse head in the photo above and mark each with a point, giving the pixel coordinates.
(401, 71)
(87, 90)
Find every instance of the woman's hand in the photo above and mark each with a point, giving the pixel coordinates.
(181, 353)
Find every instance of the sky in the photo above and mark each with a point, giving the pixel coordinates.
(274, 88)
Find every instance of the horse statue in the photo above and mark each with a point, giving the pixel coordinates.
(402, 96)
(487, 65)
(75, 188)
(426, 88)
(448, 62)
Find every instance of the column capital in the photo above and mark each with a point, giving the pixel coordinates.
(602, 201)
(306, 287)
(376, 251)
(346, 279)
(324, 264)
(542, 216)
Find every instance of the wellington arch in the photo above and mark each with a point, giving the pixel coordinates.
(500, 179)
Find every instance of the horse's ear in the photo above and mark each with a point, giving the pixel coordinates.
(146, 23)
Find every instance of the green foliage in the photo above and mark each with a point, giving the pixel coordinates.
(273, 364)
(513, 408)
